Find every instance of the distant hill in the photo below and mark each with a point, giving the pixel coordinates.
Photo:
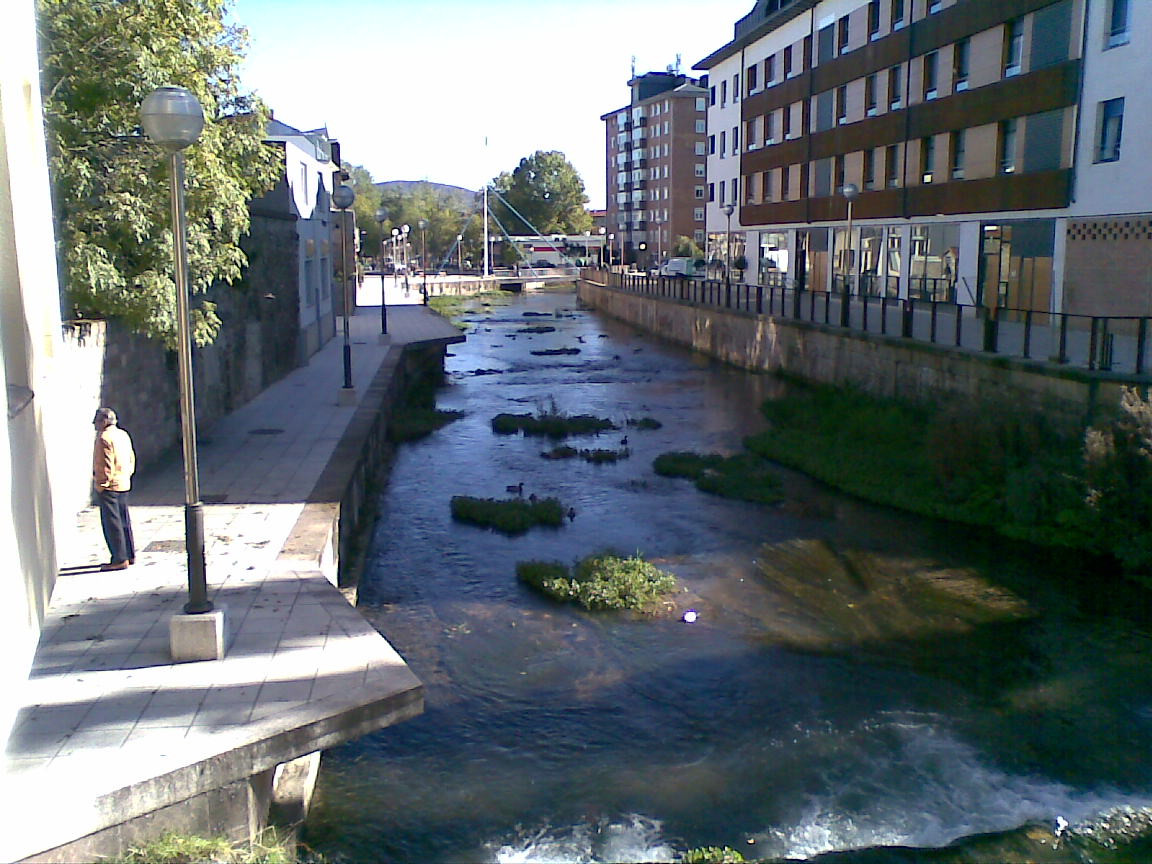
(464, 197)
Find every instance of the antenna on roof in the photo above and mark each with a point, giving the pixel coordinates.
(633, 65)
(677, 64)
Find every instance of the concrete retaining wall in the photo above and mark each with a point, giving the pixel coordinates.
(884, 366)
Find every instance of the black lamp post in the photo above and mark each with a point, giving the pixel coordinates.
(849, 191)
(423, 226)
(729, 209)
(173, 118)
(343, 198)
(382, 217)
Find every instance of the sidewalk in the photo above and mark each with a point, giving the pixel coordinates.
(111, 729)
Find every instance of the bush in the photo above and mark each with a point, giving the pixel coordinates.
(604, 581)
(188, 849)
(679, 463)
(509, 516)
(412, 423)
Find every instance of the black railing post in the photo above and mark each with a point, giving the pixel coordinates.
(1141, 335)
(959, 323)
(1062, 351)
(990, 330)
(906, 318)
(884, 315)
(845, 309)
(1028, 335)
(1092, 347)
(932, 322)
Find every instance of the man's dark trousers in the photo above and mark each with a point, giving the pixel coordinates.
(117, 525)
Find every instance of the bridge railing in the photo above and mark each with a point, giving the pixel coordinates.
(1107, 343)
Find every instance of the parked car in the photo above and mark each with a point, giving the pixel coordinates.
(681, 267)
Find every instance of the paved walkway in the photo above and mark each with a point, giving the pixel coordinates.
(111, 728)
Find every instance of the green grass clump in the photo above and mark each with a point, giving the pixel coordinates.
(646, 423)
(563, 451)
(745, 477)
(713, 855)
(509, 516)
(412, 423)
(550, 424)
(598, 582)
(537, 328)
(187, 849)
(452, 306)
(602, 457)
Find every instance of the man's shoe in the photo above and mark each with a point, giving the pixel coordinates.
(131, 561)
(115, 565)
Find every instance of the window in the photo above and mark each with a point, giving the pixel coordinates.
(891, 166)
(838, 173)
(723, 144)
(723, 190)
(712, 95)
(723, 93)
(897, 14)
(701, 171)
(666, 127)
(934, 6)
(753, 82)
(770, 128)
(735, 140)
(930, 64)
(870, 96)
(711, 145)
(784, 185)
(698, 235)
(1008, 146)
(788, 62)
(766, 185)
(842, 35)
(873, 19)
(699, 192)
(956, 170)
(787, 115)
(1118, 23)
(735, 191)
(701, 127)
(869, 169)
(961, 59)
(1013, 47)
(927, 159)
(895, 97)
(711, 191)
(701, 104)
(697, 214)
(735, 88)
(750, 189)
(752, 135)
(1111, 125)
(701, 148)
(841, 104)
(769, 70)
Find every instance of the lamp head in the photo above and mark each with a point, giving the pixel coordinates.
(172, 117)
(849, 190)
(382, 215)
(729, 209)
(343, 196)
(422, 224)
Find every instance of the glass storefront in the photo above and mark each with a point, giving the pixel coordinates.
(1016, 264)
(934, 264)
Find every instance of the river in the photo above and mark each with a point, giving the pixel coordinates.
(856, 677)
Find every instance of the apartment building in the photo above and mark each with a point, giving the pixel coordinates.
(656, 168)
(979, 145)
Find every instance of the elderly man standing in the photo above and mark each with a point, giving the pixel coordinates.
(113, 462)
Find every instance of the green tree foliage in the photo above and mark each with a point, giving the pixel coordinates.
(547, 193)
(367, 202)
(686, 247)
(100, 58)
(440, 211)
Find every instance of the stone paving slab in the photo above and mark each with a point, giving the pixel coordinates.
(111, 728)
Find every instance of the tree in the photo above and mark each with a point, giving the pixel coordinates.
(686, 247)
(100, 58)
(367, 202)
(545, 195)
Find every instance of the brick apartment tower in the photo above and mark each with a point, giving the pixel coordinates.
(655, 164)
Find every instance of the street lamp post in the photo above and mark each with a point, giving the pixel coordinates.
(404, 230)
(343, 198)
(173, 118)
(849, 191)
(423, 226)
(611, 240)
(729, 209)
(382, 217)
(602, 230)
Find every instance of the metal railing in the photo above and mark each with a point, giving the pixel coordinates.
(1118, 344)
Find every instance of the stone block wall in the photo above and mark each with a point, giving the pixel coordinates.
(884, 366)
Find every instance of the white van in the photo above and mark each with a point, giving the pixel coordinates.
(678, 267)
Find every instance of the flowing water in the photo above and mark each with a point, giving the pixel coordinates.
(856, 677)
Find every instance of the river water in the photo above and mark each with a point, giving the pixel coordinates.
(856, 677)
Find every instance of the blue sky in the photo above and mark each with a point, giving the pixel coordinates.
(412, 89)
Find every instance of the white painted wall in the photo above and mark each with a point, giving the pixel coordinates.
(29, 345)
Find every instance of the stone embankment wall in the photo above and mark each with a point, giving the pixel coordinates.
(883, 366)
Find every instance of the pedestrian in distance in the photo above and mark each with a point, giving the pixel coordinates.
(113, 463)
